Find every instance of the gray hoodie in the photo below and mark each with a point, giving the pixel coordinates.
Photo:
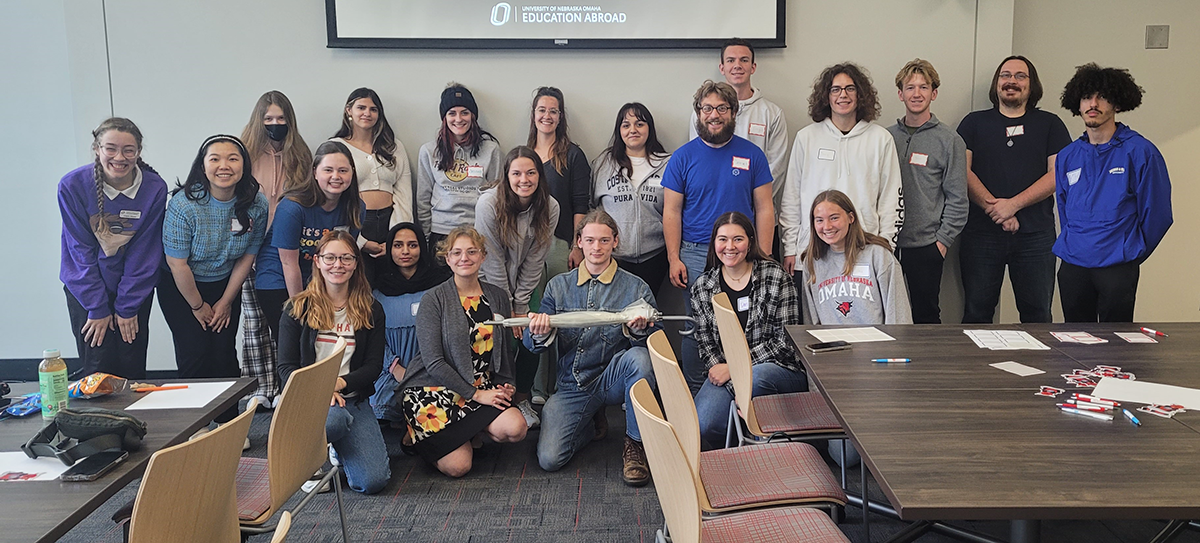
(873, 293)
(637, 206)
(933, 168)
(516, 270)
(447, 199)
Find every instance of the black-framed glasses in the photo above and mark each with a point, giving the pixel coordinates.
(1019, 76)
(850, 90)
(346, 259)
(722, 109)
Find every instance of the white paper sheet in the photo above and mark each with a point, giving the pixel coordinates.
(851, 335)
(1005, 340)
(1124, 390)
(195, 396)
(1135, 337)
(1017, 368)
(45, 468)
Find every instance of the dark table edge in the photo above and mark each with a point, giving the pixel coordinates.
(241, 387)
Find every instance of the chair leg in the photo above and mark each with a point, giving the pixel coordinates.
(730, 424)
(843, 465)
(337, 489)
(862, 466)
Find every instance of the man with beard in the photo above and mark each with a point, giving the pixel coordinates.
(758, 119)
(708, 176)
(1114, 199)
(841, 150)
(933, 166)
(1010, 176)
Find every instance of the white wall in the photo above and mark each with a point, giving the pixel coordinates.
(186, 70)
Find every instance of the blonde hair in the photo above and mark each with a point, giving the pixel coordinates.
(313, 306)
(921, 67)
(857, 239)
(461, 231)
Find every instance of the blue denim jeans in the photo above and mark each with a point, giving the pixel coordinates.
(358, 445)
(694, 256)
(712, 402)
(567, 417)
(982, 258)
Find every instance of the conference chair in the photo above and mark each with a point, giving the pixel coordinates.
(798, 416)
(296, 448)
(740, 477)
(282, 527)
(680, 494)
(187, 492)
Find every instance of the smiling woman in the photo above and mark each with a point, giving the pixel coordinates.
(215, 224)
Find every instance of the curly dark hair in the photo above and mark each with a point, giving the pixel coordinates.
(1035, 83)
(1112, 84)
(868, 100)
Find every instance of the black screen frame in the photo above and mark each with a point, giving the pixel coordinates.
(337, 42)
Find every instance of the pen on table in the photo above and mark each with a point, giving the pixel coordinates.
(1153, 332)
(1074, 411)
(1132, 418)
(1093, 399)
(1096, 409)
(1085, 403)
(152, 389)
(892, 360)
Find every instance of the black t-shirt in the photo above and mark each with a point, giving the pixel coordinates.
(1009, 155)
(739, 298)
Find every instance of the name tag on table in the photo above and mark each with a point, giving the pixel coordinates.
(743, 303)
(474, 171)
(919, 159)
(861, 270)
(758, 129)
(741, 163)
(825, 154)
(1073, 176)
(131, 214)
(1018, 130)
(235, 226)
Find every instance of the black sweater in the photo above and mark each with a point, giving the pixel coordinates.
(298, 349)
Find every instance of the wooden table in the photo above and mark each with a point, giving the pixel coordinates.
(45, 510)
(948, 437)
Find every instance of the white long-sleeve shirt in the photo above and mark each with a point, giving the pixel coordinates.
(862, 164)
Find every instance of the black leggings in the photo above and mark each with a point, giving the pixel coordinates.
(201, 353)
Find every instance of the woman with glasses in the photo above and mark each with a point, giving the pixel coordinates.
(327, 201)
(214, 227)
(384, 180)
(112, 215)
(338, 303)
(459, 389)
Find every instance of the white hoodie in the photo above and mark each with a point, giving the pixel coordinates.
(862, 164)
(770, 134)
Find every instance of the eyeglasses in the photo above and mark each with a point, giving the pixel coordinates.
(1018, 76)
(543, 111)
(330, 259)
(850, 90)
(722, 109)
(457, 253)
(111, 151)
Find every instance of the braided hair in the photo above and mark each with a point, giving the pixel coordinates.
(197, 186)
(120, 124)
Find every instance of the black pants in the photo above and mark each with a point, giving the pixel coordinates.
(653, 271)
(272, 302)
(201, 353)
(922, 268)
(1098, 294)
(375, 227)
(113, 356)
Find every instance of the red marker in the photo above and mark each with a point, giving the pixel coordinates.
(1093, 399)
(1153, 332)
(1084, 403)
(1082, 408)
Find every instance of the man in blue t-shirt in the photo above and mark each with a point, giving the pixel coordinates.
(708, 176)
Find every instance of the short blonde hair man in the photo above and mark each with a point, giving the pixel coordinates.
(918, 66)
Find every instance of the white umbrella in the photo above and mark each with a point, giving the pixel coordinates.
(587, 319)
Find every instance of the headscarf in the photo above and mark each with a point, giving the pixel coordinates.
(391, 282)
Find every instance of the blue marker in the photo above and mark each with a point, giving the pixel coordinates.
(1131, 418)
(892, 360)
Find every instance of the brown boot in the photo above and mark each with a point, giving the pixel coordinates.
(636, 471)
(601, 422)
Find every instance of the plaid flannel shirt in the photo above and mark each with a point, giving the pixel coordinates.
(773, 305)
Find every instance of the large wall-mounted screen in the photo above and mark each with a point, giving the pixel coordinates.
(633, 24)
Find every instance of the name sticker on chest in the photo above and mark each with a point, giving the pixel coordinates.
(861, 270)
(1011, 131)
(743, 303)
(919, 159)
(825, 154)
(1073, 176)
(131, 214)
(415, 306)
(235, 226)
(474, 171)
(741, 163)
(758, 129)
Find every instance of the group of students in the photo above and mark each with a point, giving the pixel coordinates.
(307, 247)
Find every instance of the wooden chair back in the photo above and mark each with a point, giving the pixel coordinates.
(296, 447)
(673, 480)
(677, 398)
(281, 529)
(737, 355)
(188, 493)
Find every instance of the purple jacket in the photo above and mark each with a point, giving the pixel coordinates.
(118, 267)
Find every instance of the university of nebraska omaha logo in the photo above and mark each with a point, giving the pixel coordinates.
(844, 308)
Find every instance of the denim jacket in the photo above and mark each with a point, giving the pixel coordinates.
(583, 353)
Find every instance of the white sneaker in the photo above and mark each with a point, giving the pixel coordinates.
(333, 459)
(310, 484)
(531, 416)
(538, 399)
(246, 445)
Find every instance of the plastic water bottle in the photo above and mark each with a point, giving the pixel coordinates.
(52, 380)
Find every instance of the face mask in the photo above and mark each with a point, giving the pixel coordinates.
(276, 131)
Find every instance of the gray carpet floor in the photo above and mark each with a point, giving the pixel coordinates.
(508, 498)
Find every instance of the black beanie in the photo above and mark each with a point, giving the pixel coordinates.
(455, 96)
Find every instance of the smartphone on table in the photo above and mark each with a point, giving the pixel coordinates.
(94, 466)
(827, 346)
